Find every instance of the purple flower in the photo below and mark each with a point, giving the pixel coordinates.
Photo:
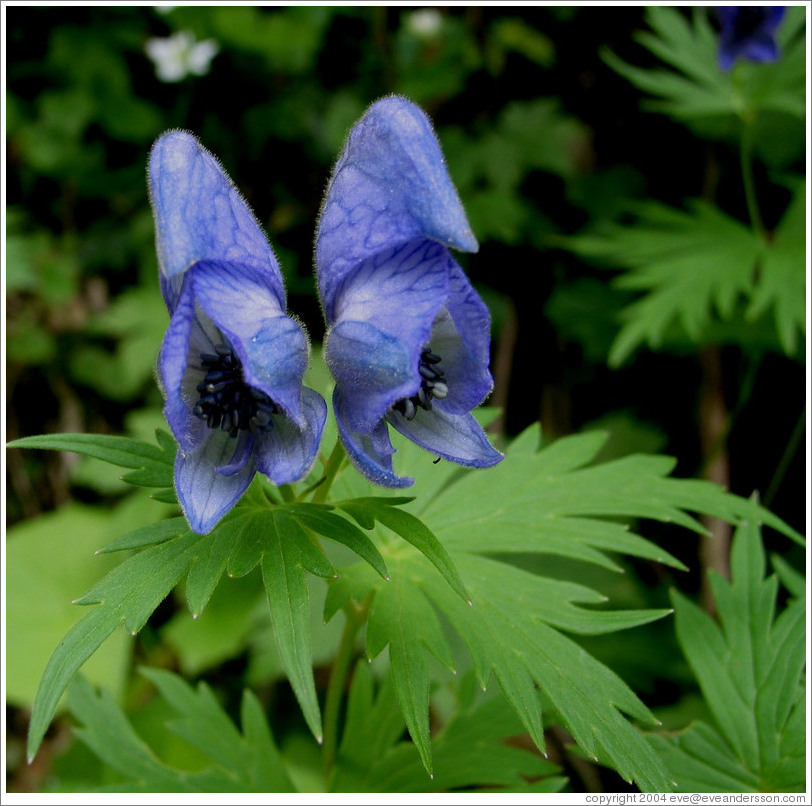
(232, 361)
(408, 337)
(748, 32)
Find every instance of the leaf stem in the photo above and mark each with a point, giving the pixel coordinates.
(355, 615)
(746, 153)
(333, 466)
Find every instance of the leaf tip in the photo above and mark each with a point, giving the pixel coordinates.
(133, 633)
(320, 739)
(195, 615)
(387, 578)
(469, 603)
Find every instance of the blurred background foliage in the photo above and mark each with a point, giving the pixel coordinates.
(549, 142)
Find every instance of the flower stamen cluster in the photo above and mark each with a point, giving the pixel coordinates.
(226, 401)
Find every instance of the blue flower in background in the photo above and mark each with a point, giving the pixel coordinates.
(748, 32)
(232, 361)
(408, 337)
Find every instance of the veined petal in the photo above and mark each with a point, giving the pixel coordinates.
(270, 345)
(200, 214)
(205, 494)
(286, 453)
(461, 335)
(390, 185)
(372, 452)
(456, 437)
(186, 338)
(384, 319)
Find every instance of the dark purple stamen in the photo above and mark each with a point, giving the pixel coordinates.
(433, 383)
(226, 401)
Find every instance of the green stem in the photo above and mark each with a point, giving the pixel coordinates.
(749, 182)
(786, 458)
(356, 615)
(333, 466)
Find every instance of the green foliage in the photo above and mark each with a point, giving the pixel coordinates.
(695, 91)
(749, 667)
(697, 267)
(239, 762)
(551, 502)
(469, 752)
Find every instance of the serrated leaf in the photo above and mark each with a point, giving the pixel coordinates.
(402, 619)
(691, 266)
(695, 89)
(469, 751)
(152, 465)
(146, 536)
(781, 282)
(324, 521)
(247, 762)
(512, 631)
(289, 601)
(128, 594)
(411, 529)
(749, 668)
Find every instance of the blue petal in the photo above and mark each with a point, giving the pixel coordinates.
(200, 215)
(390, 185)
(287, 453)
(385, 313)
(205, 494)
(271, 346)
(461, 336)
(456, 437)
(371, 453)
(186, 338)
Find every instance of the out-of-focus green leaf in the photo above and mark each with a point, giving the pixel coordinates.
(696, 91)
(782, 279)
(691, 265)
(239, 762)
(470, 752)
(153, 464)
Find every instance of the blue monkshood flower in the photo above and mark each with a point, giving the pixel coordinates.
(232, 361)
(748, 32)
(408, 338)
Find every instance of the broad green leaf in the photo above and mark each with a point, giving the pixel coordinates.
(750, 669)
(239, 762)
(152, 465)
(49, 560)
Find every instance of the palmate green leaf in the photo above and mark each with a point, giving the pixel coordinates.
(469, 752)
(248, 537)
(694, 87)
(781, 282)
(240, 762)
(692, 266)
(152, 464)
(128, 594)
(551, 501)
(749, 668)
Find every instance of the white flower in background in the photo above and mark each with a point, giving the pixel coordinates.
(426, 22)
(179, 55)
